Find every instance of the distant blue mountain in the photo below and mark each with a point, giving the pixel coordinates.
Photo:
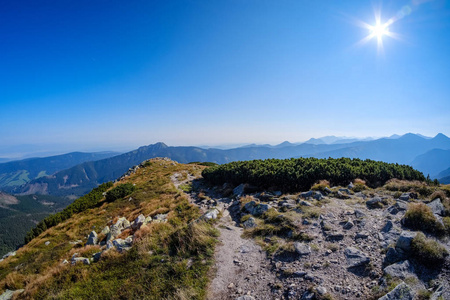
(432, 162)
(83, 177)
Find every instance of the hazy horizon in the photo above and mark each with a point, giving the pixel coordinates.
(23, 151)
(83, 76)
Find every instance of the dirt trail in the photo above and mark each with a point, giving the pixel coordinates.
(241, 266)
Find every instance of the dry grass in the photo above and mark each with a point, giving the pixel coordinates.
(409, 186)
(321, 185)
(41, 272)
(428, 251)
(420, 217)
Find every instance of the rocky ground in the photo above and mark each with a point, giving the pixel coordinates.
(356, 247)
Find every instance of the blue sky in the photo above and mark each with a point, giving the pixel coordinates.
(118, 74)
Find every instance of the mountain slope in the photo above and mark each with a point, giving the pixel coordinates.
(168, 257)
(432, 162)
(19, 214)
(16, 173)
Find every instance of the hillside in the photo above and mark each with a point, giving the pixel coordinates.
(162, 256)
(80, 179)
(19, 214)
(16, 173)
(153, 235)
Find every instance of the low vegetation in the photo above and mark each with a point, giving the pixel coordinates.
(420, 217)
(428, 251)
(299, 174)
(169, 260)
(119, 191)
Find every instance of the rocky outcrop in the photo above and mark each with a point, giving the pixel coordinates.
(400, 292)
(355, 257)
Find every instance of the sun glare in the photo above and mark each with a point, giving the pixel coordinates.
(379, 30)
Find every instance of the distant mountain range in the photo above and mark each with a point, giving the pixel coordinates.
(428, 155)
(16, 173)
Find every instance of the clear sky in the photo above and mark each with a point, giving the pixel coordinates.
(97, 73)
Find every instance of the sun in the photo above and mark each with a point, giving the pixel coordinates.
(379, 30)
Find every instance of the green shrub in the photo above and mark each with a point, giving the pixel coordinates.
(428, 251)
(297, 174)
(120, 191)
(420, 217)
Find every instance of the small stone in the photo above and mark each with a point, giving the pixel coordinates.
(359, 214)
(47, 243)
(362, 235)
(302, 249)
(321, 290)
(231, 285)
(348, 225)
(249, 223)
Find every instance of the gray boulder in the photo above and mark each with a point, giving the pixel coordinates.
(302, 249)
(400, 292)
(355, 257)
(210, 215)
(121, 245)
(160, 218)
(122, 223)
(400, 270)
(249, 207)
(250, 223)
(375, 202)
(392, 256)
(404, 240)
(114, 232)
(350, 186)
(239, 190)
(437, 207)
(8, 294)
(92, 238)
(401, 205)
(305, 203)
(260, 209)
(105, 230)
(137, 223)
(318, 196)
(306, 194)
